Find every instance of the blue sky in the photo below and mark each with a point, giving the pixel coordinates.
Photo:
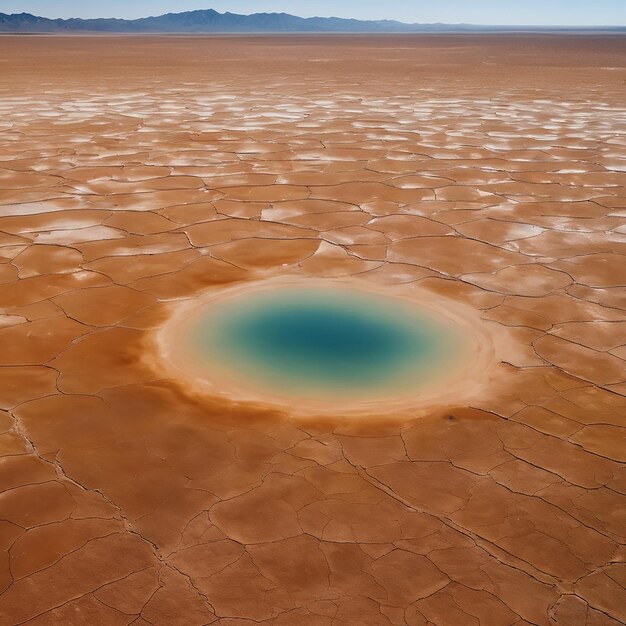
(527, 12)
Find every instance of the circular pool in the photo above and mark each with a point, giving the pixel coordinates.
(324, 345)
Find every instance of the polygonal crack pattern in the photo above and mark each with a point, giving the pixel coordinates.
(136, 173)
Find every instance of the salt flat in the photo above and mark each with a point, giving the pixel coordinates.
(138, 174)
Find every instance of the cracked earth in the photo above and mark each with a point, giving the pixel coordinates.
(139, 173)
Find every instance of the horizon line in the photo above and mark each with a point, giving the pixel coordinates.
(333, 17)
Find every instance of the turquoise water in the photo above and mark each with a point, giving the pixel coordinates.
(321, 342)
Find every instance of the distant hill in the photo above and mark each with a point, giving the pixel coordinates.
(210, 21)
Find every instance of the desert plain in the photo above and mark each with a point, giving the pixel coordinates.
(139, 174)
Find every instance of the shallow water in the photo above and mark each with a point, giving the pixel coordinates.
(322, 342)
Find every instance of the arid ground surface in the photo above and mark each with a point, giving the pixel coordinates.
(139, 173)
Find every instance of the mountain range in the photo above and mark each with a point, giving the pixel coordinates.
(210, 21)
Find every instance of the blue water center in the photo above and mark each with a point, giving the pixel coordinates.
(322, 342)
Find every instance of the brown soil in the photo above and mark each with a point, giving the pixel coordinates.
(140, 173)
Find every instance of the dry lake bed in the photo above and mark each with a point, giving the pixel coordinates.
(439, 442)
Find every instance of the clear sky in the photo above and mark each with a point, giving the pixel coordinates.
(505, 12)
